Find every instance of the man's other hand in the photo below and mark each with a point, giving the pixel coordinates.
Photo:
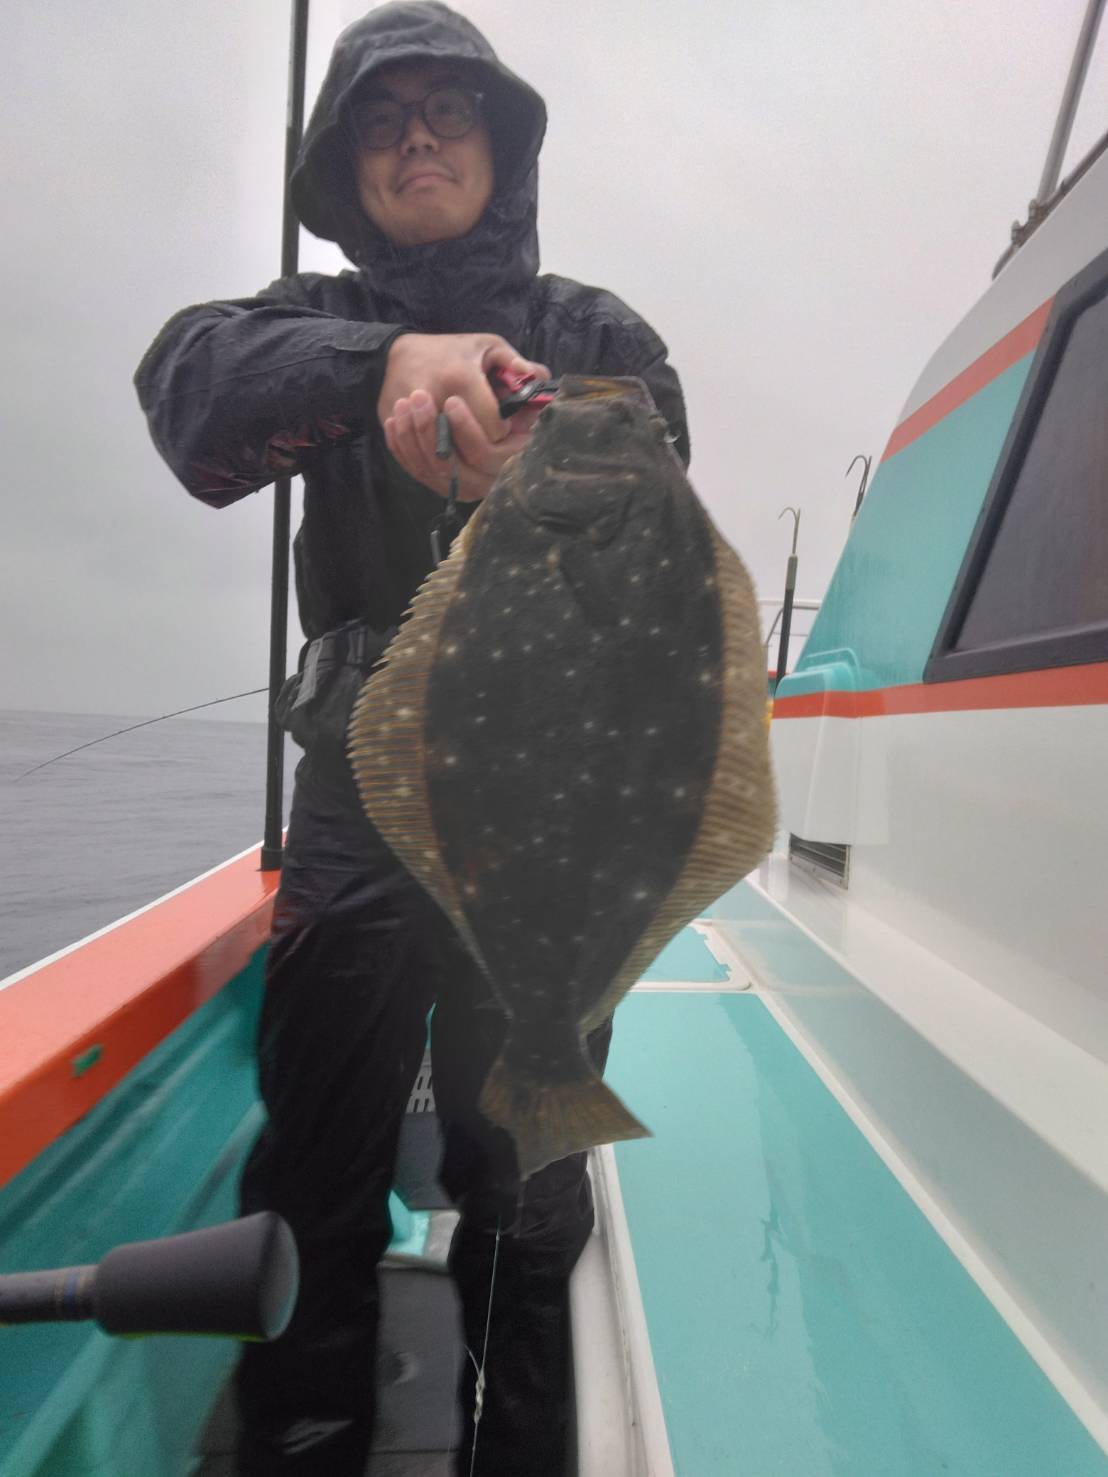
(427, 373)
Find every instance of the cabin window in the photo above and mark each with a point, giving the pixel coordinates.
(1033, 591)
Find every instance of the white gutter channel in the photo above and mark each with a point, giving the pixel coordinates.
(621, 1430)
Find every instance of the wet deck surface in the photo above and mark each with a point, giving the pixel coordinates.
(804, 1316)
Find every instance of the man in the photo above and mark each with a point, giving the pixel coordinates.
(420, 160)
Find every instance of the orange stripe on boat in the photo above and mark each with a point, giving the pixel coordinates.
(1056, 687)
(72, 1028)
(993, 362)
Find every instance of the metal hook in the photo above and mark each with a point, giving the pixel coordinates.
(796, 525)
(865, 460)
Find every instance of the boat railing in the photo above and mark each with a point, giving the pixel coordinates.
(810, 607)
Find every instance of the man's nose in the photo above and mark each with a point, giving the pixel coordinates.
(417, 135)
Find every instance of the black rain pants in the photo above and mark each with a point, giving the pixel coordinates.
(357, 956)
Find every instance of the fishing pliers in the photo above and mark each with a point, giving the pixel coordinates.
(522, 390)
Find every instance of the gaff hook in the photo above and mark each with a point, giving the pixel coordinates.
(796, 525)
(865, 460)
(787, 602)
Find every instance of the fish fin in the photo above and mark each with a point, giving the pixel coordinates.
(386, 738)
(548, 1121)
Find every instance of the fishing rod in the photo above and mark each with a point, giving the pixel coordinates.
(282, 492)
(130, 728)
(237, 1280)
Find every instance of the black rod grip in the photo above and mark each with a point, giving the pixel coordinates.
(238, 1280)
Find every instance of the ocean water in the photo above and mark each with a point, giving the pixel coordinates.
(96, 835)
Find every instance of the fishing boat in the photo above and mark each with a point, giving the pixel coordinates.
(868, 1235)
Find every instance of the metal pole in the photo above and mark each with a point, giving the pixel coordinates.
(1074, 83)
(787, 603)
(282, 492)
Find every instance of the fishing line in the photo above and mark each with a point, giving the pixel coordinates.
(146, 722)
(515, 1229)
(479, 1391)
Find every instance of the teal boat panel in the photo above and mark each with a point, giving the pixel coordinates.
(878, 620)
(804, 1315)
(159, 1155)
(687, 957)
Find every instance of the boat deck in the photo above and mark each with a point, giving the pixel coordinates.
(802, 1314)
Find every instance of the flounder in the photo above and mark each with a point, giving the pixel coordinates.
(566, 745)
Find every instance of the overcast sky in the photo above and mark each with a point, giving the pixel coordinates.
(802, 196)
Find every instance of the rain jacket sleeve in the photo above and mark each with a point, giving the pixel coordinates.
(661, 380)
(597, 333)
(238, 393)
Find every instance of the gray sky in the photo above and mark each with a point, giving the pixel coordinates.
(802, 196)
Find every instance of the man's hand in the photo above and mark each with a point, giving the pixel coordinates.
(427, 373)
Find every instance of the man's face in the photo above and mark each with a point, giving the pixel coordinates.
(424, 188)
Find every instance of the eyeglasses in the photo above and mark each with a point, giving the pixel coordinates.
(449, 112)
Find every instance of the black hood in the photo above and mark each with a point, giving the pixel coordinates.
(446, 285)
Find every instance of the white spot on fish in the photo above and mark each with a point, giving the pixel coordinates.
(655, 630)
(640, 894)
(635, 579)
(707, 677)
(588, 725)
(651, 732)
(497, 653)
(450, 760)
(625, 620)
(481, 718)
(451, 648)
(405, 712)
(626, 791)
(665, 563)
(571, 671)
(680, 792)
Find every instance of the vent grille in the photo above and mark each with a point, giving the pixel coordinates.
(828, 858)
(422, 1096)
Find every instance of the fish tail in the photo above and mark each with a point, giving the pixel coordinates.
(549, 1120)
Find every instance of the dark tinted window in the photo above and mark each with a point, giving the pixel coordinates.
(1033, 589)
(1047, 570)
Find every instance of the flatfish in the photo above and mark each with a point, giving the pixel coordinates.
(566, 744)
